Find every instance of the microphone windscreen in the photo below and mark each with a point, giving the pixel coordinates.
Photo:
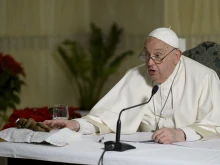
(155, 89)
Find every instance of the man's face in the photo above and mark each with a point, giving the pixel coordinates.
(160, 72)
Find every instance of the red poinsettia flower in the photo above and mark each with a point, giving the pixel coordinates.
(8, 63)
(10, 82)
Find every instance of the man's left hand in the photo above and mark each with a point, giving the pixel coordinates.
(168, 136)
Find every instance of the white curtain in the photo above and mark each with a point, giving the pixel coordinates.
(194, 20)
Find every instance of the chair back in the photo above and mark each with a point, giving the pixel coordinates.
(207, 53)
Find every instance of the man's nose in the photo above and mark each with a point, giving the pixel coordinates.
(150, 62)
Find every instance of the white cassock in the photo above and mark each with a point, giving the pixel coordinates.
(189, 99)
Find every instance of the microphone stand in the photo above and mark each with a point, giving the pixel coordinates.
(117, 145)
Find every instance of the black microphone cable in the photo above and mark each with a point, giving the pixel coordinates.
(101, 158)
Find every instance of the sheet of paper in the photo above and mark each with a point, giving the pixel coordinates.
(145, 137)
(208, 144)
(136, 137)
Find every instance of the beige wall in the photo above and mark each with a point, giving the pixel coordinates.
(138, 17)
(31, 29)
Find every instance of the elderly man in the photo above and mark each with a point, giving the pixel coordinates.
(186, 106)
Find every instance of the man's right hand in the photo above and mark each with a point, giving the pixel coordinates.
(62, 123)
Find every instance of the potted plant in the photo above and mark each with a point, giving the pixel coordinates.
(91, 67)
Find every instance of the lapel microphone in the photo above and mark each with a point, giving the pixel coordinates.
(117, 145)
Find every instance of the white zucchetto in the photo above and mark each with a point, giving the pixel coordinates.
(166, 35)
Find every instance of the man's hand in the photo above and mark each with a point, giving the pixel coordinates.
(61, 123)
(32, 124)
(168, 136)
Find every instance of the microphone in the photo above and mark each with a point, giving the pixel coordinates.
(117, 145)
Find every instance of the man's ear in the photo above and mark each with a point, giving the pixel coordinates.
(178, 54)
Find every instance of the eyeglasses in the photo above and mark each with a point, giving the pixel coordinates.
(157, 58)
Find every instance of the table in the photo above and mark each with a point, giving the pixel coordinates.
(89, 151)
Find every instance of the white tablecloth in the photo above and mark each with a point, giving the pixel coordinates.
(87, 151)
